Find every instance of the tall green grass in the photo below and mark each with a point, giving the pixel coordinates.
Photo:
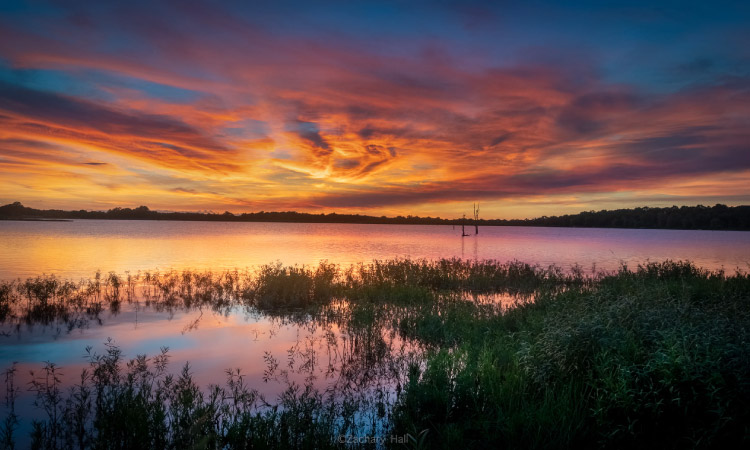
(657, 357)
(120, 404)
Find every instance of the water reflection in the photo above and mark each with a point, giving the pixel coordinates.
(311, 346)
(215, 321)
(321, 326)
(80, 248)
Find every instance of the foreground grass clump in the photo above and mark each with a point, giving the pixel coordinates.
(654, 357)
(119, 404)
(658, 357)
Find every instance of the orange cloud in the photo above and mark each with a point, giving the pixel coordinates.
(277, 122)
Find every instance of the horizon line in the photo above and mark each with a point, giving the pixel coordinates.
(397, 217)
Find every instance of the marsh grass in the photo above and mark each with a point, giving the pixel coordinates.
(651, 357)
(139, 404)
(655, 357)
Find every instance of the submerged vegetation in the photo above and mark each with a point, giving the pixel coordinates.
(505, 355)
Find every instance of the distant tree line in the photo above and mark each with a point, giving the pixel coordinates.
(717, 217)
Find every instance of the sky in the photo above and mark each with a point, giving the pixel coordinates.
(383, 108)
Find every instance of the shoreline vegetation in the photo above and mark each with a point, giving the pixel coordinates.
(654, 356)
(717, 217)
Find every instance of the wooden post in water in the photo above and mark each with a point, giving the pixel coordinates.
(463, 223)
(476, 218)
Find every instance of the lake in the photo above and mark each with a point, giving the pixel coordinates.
(326, 350)
(79, 248)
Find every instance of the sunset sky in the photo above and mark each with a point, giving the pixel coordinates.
(406, 107)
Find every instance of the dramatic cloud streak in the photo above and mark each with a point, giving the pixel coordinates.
(423, 111)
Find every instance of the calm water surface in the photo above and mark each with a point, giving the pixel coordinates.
(273, 353)
(79, 248)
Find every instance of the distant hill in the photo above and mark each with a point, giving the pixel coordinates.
(717, 217)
